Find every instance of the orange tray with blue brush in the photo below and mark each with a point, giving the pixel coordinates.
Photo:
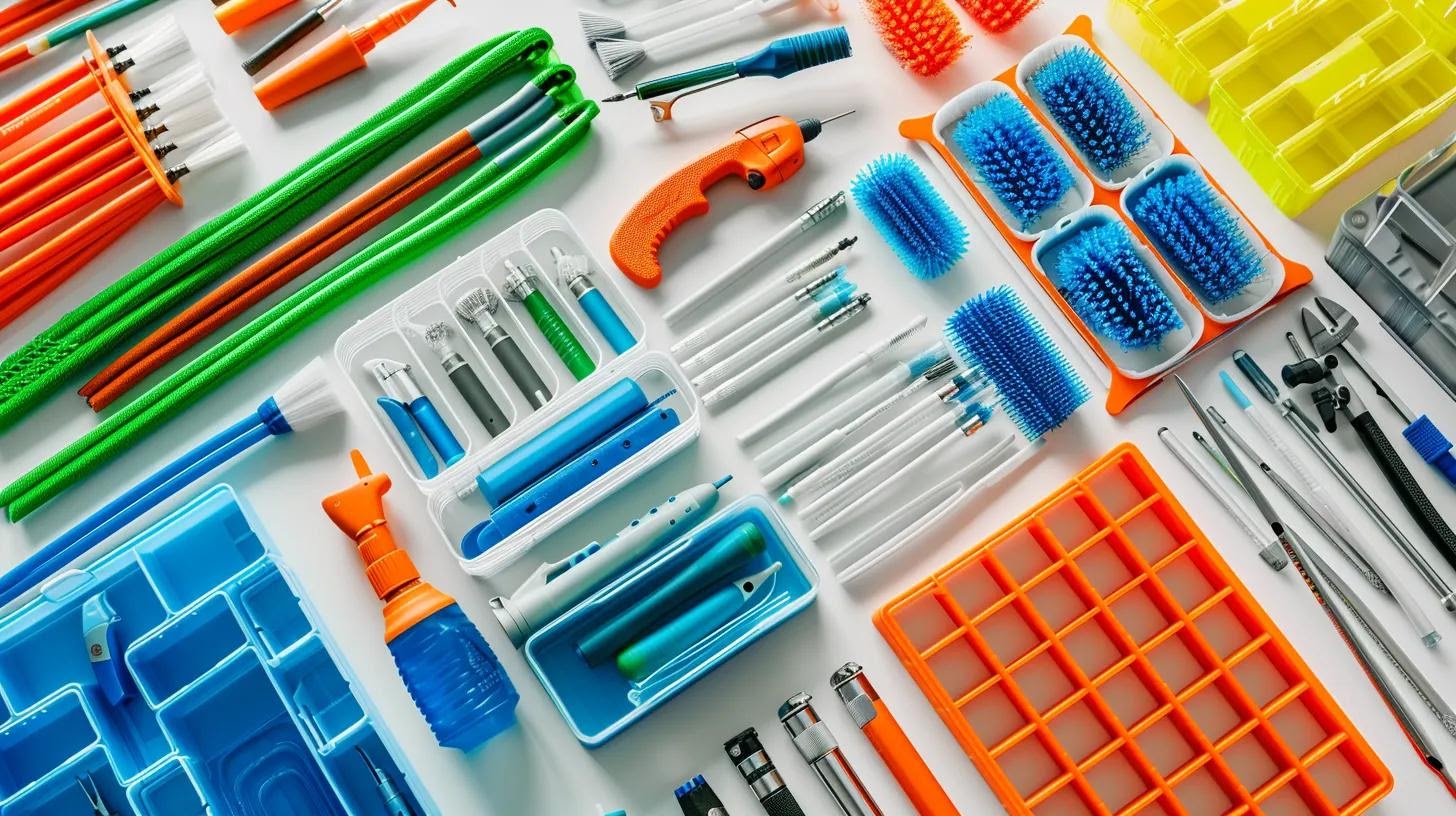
(1097, 657)
(1140, 250)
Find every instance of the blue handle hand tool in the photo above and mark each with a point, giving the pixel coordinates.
(413, 415)
(574, 272)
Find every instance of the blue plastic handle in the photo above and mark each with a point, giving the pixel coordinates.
(607, 321)
(436, 430)
(1433, 446)
(404, 425)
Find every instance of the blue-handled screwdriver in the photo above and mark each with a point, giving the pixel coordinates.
(778, 59)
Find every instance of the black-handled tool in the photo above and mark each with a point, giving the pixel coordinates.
(767, 784)
(291, 36)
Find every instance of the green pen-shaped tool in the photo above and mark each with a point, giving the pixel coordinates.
(522, 286)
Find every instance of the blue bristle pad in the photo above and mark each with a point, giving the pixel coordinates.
(1080, 93)
(893, 192)
(1199, 236)
(1113, 290)
(1013, 157)
(995, 332)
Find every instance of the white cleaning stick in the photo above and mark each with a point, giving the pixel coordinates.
(860, 362)
(602, 26)
(732, 355)
(785, 354)
(1271, 551)
(620, 56)
(725, 347)
(730, 276)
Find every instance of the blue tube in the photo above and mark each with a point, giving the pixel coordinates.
(606, 319)
(436, 430)
(404, 424)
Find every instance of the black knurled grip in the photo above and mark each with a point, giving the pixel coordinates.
(1411, 494)
(782, 803)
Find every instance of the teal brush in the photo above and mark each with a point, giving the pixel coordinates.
(1112, 289)
(1081, 94)
(1199, 235)
(910, 215)
(1014, 158)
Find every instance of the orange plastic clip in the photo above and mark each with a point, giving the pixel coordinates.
(358, 510)
(765, 154)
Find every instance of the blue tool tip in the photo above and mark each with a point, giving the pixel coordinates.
(786, 499)
(1240, 398)
(725, 480)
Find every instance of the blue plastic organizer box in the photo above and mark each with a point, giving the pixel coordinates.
(236, 702)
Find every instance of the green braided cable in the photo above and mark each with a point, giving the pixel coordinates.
(42, 366)
(462, 206)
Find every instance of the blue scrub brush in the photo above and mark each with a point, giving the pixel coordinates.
(910, 215)
(996, 333)
(1080, 93)
(1199, 235)
(1014, 158)
(1110, 287)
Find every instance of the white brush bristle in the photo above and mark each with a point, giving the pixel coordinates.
(194, 117)
(308, 398)
(185, 89)
(192, 138)
(158, 45)
(222, 147)
(620, 56)
(599, 26)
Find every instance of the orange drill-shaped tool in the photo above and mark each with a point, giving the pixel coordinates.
(335, 57)
(765, 154)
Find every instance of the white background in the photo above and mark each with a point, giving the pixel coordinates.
(537, 767)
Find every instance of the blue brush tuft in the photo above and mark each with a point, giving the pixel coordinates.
(910, 215)
(995, 332)
(1014, 158)
(1080, 93)
(1107, 283)
(1199, 236)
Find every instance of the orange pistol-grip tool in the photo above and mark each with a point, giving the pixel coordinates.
(890, 742)
(765, 154)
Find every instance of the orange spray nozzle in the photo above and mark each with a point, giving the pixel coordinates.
(338, 56)
(358, 510)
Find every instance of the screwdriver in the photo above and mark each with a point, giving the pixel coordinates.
(765, 154)
(784, 56)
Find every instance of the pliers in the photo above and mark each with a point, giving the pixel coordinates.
(1427, 440)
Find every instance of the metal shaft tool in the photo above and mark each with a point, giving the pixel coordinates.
(1317, 577)
(819, 748)
(758, 770)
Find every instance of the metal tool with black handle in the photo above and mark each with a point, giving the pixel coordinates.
(1343, 398)
(763, 778)
(291, 36)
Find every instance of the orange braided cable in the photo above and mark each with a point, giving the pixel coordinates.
(64, 182)
(44, 90)
(31, 121)
(278, 268)
(129, 171)
(94, 128)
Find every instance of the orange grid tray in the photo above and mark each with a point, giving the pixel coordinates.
(1123, 387)
(1097, 656)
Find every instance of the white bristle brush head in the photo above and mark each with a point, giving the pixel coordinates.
(308, 398)
(196, 116)
(158, 45)
(599, 26)
(186, 89)
(227, 144)
(193, 138)
(619, 56)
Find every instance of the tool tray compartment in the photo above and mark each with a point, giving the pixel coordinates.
(238, 705)
(599, 703)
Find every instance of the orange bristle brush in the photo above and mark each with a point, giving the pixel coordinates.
(997, 16)
(924, 36)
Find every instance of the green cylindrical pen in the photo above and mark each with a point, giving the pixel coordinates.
(521, 286)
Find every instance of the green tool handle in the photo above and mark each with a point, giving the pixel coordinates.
(687, 79)
(559, 335)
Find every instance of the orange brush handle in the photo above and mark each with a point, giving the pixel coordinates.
(133, 171)
(15, 11)
(55, 152)
(31, 121)
(43, 90)
(764, 154)
(30, 22)
(905, 763)
(63, 182)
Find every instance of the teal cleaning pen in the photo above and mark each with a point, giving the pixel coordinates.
(574, 272)
(521, 286)
(784, 56)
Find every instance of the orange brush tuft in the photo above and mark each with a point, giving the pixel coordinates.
(997, 16)
(924, 36)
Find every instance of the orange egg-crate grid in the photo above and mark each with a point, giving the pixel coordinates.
(1097, 656)
(1123, 387)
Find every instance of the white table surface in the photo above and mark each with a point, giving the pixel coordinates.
(537, 767)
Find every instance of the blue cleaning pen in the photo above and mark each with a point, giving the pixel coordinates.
(413, 414)
(103, 647)
(784, 56)
(574, 272)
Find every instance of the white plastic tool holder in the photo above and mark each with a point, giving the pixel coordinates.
(396, 330)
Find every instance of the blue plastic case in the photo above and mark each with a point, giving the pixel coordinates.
(599, 703)
(241, 705)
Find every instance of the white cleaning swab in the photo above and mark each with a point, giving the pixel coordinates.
(620, 56)
(602, 26)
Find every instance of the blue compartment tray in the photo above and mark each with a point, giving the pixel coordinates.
(235, 704)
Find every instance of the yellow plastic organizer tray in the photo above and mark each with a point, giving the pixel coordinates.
(1096, 657)
(1304, 93)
